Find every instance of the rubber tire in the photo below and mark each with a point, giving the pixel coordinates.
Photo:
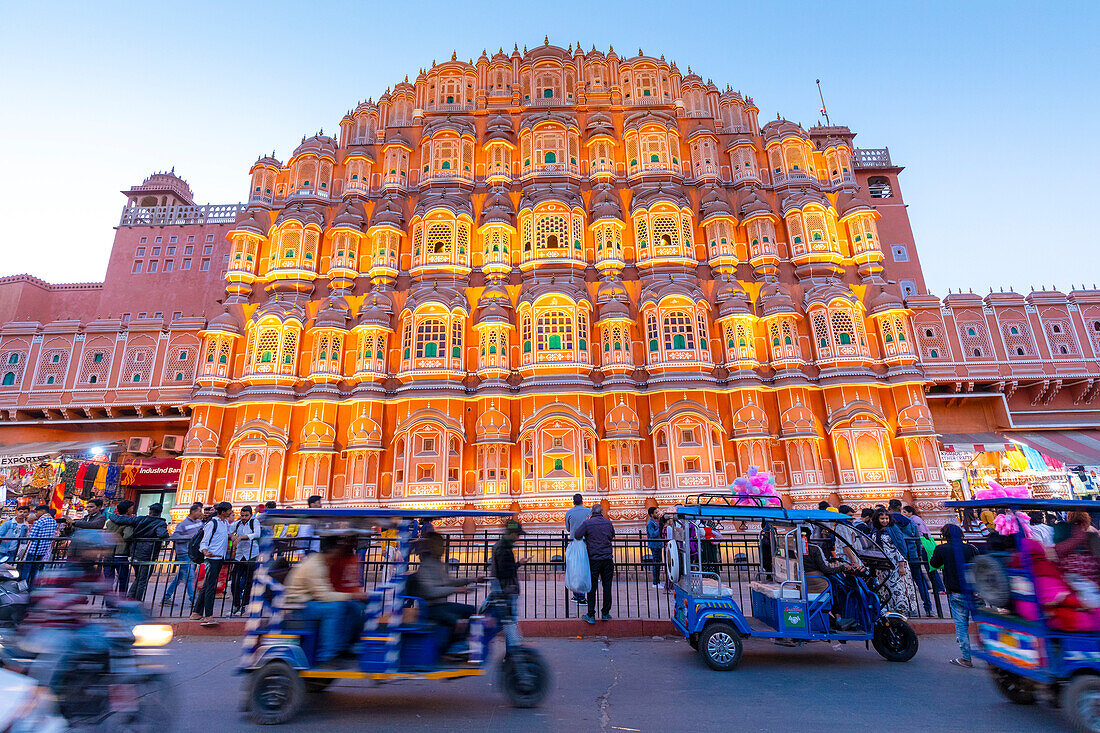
(990, 581)
(712, 633)
(1083, 686)
(885, 646)
(1016, 689)
(538, 686)
(257, 683)
(672, 561)
(315, 685)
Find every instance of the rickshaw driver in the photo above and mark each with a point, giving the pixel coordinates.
(435, 584)
(822, 573)
(309, 588)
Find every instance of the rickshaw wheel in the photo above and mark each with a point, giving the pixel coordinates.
(720, 645)
(275, 693)
(1081, 701)
(895, 640)
(1015, 688)
(525, 678)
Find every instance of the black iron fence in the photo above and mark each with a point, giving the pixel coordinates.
(166, 582)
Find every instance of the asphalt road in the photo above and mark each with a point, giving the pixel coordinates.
(643, 685)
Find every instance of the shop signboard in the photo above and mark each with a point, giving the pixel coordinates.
(963, 456)
(25, 459)
(150, 471)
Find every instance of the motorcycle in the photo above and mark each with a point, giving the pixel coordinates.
(14, 596)
(105, 674)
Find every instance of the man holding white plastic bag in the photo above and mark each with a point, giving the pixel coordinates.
(597, 532)
(576, 581)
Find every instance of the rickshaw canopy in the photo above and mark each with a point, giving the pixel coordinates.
(1038, 504)
(758, 513)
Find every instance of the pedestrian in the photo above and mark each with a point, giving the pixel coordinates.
(952, 557)
(597, 533)
(43, 533)
(906, 538)
(666, 538)
(145, 544)
(851, 541)
(506, 566)
(1040, 530)
(245, 535)
(653, 534)
(927, 543)
(214, 547)
(11, 532)
(120, 561)
(94, 518)
(901, 598)
(184, 530)
(574, 518)
(308, 540)
(864, 523)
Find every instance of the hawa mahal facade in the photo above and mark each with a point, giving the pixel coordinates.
(526, 276)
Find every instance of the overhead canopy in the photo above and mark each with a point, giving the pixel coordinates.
(19, 454)
(975, 442)
(1072, 447)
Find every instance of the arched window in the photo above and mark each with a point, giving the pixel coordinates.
(554, 331)
(678, 331)
(431, 338)
(9, 379)
(14, 358)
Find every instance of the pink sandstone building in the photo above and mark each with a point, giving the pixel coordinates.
(541, 273)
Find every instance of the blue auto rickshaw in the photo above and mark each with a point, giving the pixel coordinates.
(1027, 658)
(710, 614)
(397, 643)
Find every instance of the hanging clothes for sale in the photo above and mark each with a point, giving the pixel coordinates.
(101, 478)
(110, 489)
(78, 482)
(40, 479)
(90, 472)
(68, 477)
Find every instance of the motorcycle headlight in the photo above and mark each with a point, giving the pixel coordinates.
(152, 634)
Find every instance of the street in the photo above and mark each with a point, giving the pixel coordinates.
(643, 685)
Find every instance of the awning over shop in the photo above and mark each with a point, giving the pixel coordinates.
(20, 454)
(975, 442)
(1072, 447)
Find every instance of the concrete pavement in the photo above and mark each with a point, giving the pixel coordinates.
(643, 685)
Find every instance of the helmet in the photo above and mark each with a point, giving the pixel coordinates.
(86, 541)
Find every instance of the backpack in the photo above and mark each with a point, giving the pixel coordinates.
(194, 554)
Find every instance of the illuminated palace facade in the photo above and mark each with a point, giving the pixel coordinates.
(560, 271)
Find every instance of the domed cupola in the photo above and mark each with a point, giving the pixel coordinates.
(718, 221)
(372, 333)
(387, 227)
(759, 220)
(329, 332)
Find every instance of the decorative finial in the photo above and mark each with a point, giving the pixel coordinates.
(546, 40)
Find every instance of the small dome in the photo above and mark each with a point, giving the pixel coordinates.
(225, 322)
(498, 209)
(456, 202)
(732, 299)
(753, 205)
(375, 311)
(775, 299)
(388, 212)
(495, 305)
(714, 205)
(566, 194)
(267, 161)
(848, 204)
(304, 215)
(884, 300)
(492, 426)
(333, 315)
(599, 125)
(605, 203)
(647, 196)
(319, 145)
(350, 217)
(622, 422)
(500, 128)
(827, 292)
(782, 129)
(255, 221)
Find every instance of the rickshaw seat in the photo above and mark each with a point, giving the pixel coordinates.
(777, 591)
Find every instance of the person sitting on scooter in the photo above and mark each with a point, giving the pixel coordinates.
(61, 602)
(822, 573)
(435, 584)
(308, 587)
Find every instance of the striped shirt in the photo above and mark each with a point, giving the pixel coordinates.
(44, 528)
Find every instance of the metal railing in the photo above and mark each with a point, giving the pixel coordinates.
(734, 559)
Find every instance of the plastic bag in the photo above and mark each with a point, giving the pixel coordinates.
(578, 576)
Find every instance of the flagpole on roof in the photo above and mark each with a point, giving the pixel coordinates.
(822, 96)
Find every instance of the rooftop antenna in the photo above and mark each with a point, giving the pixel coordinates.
(822, 97)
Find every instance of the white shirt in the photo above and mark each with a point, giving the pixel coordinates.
(215, 538)
(249, 548)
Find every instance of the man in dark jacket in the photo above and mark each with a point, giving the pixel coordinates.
(952, 556)
(597, 533)
(144, 546)
(94, 519)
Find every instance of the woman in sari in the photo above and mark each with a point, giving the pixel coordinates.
(901, 591)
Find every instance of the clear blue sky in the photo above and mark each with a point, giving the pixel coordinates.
(992, 106)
